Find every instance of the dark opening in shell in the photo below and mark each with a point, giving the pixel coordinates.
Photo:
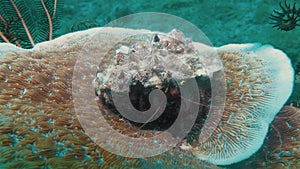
(139, 97)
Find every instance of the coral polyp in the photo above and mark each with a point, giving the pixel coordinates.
(254, 96)
(282, 144)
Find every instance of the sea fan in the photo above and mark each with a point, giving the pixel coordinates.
(286, 19)
(26, 23)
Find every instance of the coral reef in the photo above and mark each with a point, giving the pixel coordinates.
(281, 146)
(282, 143)
(39, 126)
(254, 95)
(39, 118)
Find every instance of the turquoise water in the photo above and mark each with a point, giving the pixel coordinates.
(233, 21)
(223, 22)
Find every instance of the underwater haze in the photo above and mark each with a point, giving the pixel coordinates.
(94, 84)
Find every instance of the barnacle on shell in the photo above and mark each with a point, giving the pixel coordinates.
(286, 19)
(146, 63)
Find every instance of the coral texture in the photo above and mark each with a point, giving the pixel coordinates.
(282, 144)
(255, 94)
(39, 126)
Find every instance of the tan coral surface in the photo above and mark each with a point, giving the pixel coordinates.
(39, 126)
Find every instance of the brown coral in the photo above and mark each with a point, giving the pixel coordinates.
(39, 126)
(254, 95)
(282, 146)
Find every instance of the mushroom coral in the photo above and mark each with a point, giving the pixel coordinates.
(281, 146)
(259, 79)
(40, 128)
